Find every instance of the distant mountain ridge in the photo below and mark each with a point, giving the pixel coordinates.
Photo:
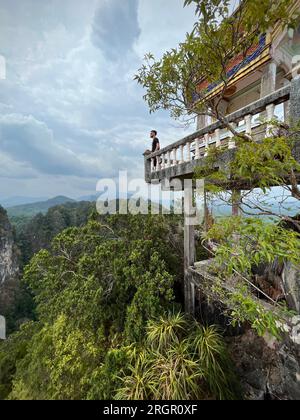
(91, 198)
(29, 207)
(20, 201)
(32, 209)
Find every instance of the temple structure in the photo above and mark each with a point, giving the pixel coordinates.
(264, 83)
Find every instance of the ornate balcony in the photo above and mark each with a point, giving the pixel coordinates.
(179, 159)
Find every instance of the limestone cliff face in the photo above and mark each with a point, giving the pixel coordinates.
(268, 370)
(8, 263)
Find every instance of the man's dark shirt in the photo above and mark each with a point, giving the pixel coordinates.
(154, 144)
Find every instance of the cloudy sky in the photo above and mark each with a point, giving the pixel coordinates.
(70, 112)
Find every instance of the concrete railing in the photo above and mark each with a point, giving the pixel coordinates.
(195, 146)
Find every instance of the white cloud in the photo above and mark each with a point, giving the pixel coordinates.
(163, 25)
(70, 109)
(115, 27)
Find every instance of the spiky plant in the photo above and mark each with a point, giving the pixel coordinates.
(177, 374)
(209, 348)
(180, 360)
(138, 385)
(167, 331)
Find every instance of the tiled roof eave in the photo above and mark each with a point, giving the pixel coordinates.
(262, 59)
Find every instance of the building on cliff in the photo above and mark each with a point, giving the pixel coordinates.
(264, 83)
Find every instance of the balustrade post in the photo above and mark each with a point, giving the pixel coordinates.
(197, 152)
(182, 153)
(206, 137)
(163, 162)
(169, 159)
(248, 121)
(218, 137)
(188, 145)
(175, 156)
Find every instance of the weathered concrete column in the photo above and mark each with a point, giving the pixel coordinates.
(291, 275)
(268, 83)
(189, 249)
(268, 80)
(295, 100)
(286, 105)
(202, 122)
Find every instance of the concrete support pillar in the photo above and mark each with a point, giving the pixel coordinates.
(286, 105)
(182, 154)
(268, 80)
(295, 100)
(189, 249)
(248, 121)
(268, 83)
(175, 156)
(202, 122)
(188, 152)
(169, 159)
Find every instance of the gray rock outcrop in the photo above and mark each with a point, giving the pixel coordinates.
(9, 268)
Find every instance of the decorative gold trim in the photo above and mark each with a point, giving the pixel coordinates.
(262, 59)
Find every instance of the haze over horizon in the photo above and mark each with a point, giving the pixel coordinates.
(70, 112)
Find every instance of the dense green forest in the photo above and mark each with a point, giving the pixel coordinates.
(31, 234)
(106, 323)
(35, 233)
